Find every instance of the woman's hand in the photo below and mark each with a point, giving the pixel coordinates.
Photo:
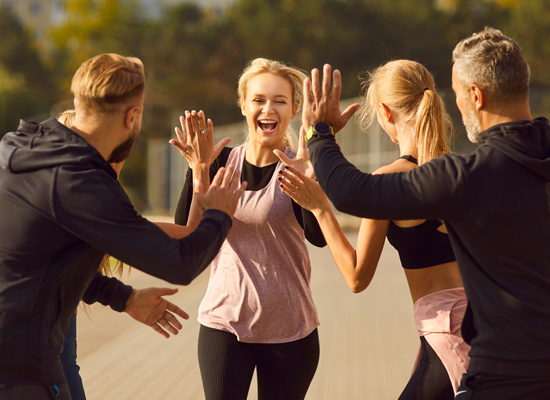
(303, 190)
(301, 162)
(196, 140)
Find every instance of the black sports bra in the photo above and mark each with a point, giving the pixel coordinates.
(421, 246)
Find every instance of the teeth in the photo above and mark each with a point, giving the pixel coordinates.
(267, 124)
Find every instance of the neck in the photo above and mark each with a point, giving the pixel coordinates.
(97, 133)
(406, 145)
(260, 155)
(491, 118)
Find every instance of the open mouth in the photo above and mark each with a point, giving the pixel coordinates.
(267, 125)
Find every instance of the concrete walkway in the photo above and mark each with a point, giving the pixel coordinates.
(368, 340)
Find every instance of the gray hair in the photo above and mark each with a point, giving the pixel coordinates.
(495, 63)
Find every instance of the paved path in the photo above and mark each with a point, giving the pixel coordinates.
(368, 340)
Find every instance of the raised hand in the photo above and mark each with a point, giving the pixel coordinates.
(196, 139)
(224, 192)
(320, 104)
(301, 162)
(303, 190)
(150, 308)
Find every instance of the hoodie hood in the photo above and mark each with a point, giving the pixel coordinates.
(527, 142)
(46, 145)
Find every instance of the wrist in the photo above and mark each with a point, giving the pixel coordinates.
(130, 299)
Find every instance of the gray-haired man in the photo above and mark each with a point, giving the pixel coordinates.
(495, 204)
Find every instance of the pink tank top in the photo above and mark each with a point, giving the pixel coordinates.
(259, 281)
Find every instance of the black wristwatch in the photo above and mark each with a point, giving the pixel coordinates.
(319, 129)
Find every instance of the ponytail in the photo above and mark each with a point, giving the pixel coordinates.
(408, 87)
(431, 127)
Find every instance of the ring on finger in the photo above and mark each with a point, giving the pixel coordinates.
(203, 131)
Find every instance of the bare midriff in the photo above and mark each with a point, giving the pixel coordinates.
(433, 279)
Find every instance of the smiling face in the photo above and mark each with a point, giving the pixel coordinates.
(268, 107)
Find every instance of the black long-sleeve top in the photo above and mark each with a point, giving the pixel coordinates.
(496, 206)
(61, 210)
(257, 178)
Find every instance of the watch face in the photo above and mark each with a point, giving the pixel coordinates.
(322, 128)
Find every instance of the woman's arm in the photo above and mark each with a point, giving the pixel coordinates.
(357, 268)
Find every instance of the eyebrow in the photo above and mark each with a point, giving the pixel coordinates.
(263, 95)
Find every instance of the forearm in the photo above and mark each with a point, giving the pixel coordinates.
(342, 251)
(433, 190)
(173, 230)
(202, 174)
(107, 291)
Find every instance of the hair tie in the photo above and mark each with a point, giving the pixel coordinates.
(425, 89)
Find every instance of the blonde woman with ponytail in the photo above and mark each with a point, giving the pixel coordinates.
(258, 312)
(401, 95)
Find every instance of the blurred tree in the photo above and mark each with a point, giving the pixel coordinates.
(26, 86)
(93, 27)
(530, 27)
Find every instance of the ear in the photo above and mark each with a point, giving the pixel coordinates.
(294, 110)
(75, 102)
(477, 97)
(386, 113)
(243, 107)
(131, 117)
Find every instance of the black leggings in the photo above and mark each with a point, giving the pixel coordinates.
(284, 370)
(430, 380)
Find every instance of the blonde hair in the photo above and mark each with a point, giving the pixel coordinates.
(293, 75)
(105, 81)
(408, 87)
(67, 118)
(495, 63)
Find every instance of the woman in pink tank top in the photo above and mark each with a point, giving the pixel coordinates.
(258, 312)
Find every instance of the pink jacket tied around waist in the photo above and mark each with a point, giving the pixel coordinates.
(438, 318)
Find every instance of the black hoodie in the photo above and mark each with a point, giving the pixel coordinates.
(496, 206)
(61, 209)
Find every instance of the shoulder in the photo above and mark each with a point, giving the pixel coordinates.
(399, 165)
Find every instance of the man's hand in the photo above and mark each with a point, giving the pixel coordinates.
(320, 105)
(150, 308)
(196, 140)
(224, 192)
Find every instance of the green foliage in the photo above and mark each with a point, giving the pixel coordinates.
(26, 87)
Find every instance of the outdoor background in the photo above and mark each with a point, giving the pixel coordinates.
(194, 52)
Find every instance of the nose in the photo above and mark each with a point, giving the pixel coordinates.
(268, 109)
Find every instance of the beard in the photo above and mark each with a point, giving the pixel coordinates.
(471, 121)
(123, 150)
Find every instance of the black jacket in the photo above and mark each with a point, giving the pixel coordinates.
(496, 205)
(61, 209)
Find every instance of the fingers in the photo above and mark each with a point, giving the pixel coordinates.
(161, 331)
(201, 122)
(308, 97)
(176, 310)
(219, 147)
(218, 178)
(290, 177)
(228, 177)
(191, 132)
(282, 157)
(336, 84)
(315, 85)
(326, 80)
(349, 111)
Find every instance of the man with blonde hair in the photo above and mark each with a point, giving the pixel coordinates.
(62, 209)
(495, 203)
